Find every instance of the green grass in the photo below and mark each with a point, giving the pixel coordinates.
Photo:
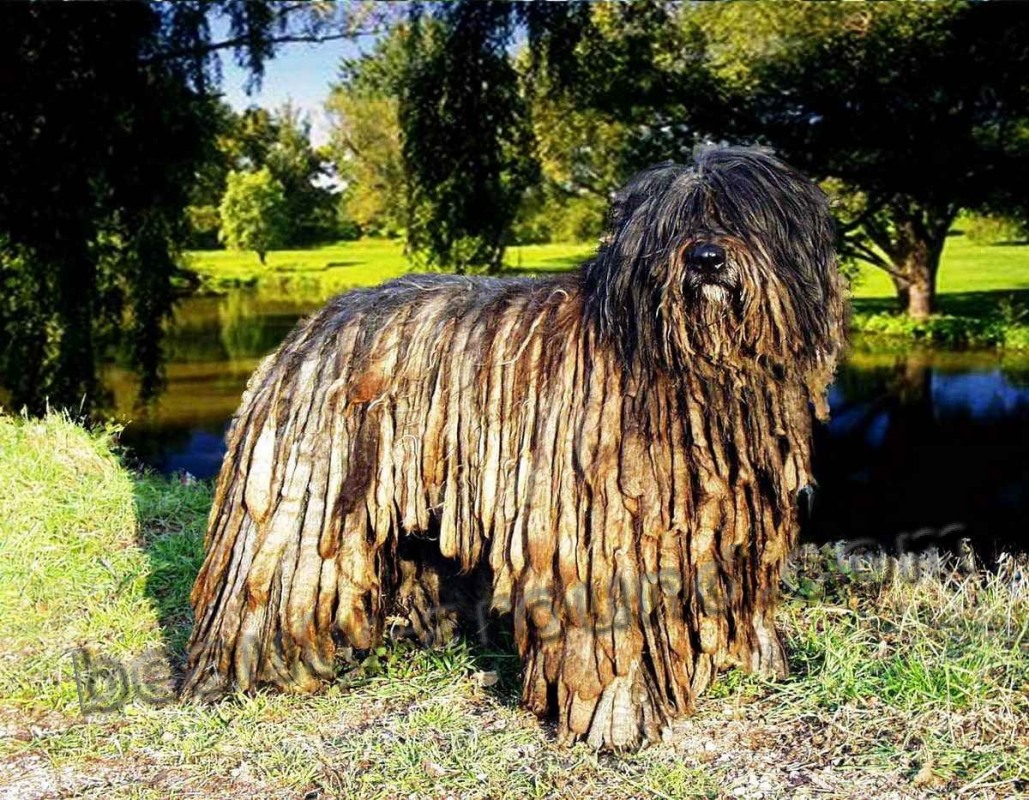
(983, 298)
(901, 687)
(983, 288)
(968, 269)
(72, 572)
(330, 268)
(965, 267)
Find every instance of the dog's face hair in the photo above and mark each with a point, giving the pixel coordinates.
(732, 256)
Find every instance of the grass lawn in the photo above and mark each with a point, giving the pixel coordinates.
(983, 289)
(973, 278)
(967, 268)
(901, 687)
(366, 262)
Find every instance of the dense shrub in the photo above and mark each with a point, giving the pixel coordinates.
(1008, 328)
(559, 219)
(990, 229)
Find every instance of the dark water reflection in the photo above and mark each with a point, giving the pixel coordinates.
(926, 447)
(923, 446)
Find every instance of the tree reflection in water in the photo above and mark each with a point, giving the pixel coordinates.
(925, 448)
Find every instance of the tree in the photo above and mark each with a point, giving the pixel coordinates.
(253, 212)
(909, 112)
(365, 148)
(208, 185)
(91, 198)
(465, 138)
(364, 142)
(303, 172)
(624, 81)
(918, 110)
(107, 116)
(280, 140)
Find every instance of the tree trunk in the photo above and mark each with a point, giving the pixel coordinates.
(915, 251)
(261, 256)
(922, 294)
(916, 285)
(496, 263)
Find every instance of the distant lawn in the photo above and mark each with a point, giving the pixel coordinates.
(366, 262)
(966, 267)
(971, 278)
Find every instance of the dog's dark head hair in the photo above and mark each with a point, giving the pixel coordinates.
(731, 257)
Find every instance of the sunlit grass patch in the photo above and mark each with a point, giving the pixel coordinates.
(971, 273)
(71, 570)
(324, 270)
(930, 670)
(983, 295)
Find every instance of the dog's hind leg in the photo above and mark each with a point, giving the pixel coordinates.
(295, 544)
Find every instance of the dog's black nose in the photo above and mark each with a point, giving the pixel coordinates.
(708, 257)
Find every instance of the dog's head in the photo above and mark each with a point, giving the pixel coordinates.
(731, 257)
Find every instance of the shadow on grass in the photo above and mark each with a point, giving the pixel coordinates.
(981, 304)
(289, 269)
(960, 304)
(172, 514)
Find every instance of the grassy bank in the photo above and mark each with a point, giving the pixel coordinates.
(901, 687)
(983, 299)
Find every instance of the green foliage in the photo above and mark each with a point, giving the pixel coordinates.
(940, 329)
(1016, 337)
(90, 217)
(549, 217)
(310, 206)
(581, 150)
(366, 151)
(203, 223)
(208, 184)
(253, 212)
(914, 109)
(992, 229)
(581, 219)
(1007, 327)
(466, 142)
(279, 140)
(92, 196)
(365, 138)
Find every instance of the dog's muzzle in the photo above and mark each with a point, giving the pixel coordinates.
(708, 272)
(707, 259)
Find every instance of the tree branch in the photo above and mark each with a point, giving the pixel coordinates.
(240, 41)
(866, 253)
(876, 234)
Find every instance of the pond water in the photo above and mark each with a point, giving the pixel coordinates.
(923, 447)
